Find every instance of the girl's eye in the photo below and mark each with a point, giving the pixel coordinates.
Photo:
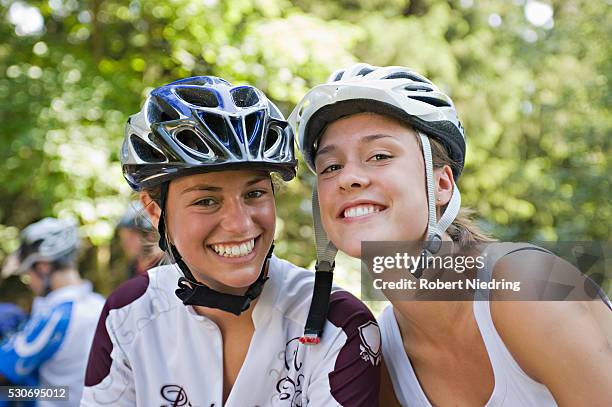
(206, 202)
(255, 194)
(380, 157)
(331, 168)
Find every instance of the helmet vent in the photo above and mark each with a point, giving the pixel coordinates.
(417, 88)
(192, 141)
(27, 249)
(217, 126)
(272, 138)
(364, 71)
(198, 96)
(338, 76)
(252, 125)
(145, 151)
(406, 75)
(432, 101)
(245, 96)
(160, 111)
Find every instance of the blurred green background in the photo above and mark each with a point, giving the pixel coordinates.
(531, 81)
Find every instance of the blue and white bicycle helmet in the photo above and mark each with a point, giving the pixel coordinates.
(203, 124)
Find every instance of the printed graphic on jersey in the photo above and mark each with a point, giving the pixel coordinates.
(370, 342)
(289, 388)
(175, 394)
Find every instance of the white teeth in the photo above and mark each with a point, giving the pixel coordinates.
(360, 210)
(236, 250)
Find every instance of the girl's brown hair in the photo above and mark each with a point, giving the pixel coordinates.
(463, 230)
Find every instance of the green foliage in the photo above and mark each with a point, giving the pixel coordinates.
(534, 100)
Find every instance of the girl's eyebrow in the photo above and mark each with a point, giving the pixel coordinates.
(366, 139)
(374, 137)
(326, 150)
(257, 179)
(212, 188)
(202, 187)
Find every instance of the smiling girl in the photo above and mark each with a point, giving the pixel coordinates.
(201, 153)
(387, 148)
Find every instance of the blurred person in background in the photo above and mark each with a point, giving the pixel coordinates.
(138, 239)
(52, 347)
(11, 318)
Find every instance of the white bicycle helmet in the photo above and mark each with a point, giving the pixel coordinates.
(49, 240)
(393, 91)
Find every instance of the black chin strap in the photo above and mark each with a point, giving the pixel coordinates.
(192, 292)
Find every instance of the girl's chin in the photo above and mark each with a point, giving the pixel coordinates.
(351, 250)
(239, 282)
(234, 283)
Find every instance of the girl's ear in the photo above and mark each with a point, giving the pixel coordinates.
(151, 208)
(444, 182)
(42, 268)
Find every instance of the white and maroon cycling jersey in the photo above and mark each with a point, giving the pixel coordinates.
(151, 350)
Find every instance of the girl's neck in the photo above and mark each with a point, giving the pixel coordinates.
(144, 263)
(64, 278)
(227, 321)
(436, 323)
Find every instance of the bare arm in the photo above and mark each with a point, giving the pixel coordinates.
(387, 394)
(565, 345)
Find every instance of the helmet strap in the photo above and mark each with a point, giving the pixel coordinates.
(192, 292)
(435, 229)
(326, 253)
(161, 228)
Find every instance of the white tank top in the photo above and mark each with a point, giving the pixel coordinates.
(513, 387)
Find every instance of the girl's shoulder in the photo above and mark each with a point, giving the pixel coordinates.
(554, 312)
(144, 296)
